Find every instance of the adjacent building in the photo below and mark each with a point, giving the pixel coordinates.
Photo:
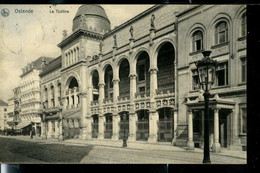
(17, 108)
(10, 113)
(3, 115)
(28, 95)
(145, 69)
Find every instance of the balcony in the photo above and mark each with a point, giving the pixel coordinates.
(123, 98)
(139, 95)
(108, 100)
(94, 103)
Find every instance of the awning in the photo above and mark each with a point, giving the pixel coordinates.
(72, 115)
(23, 124)
(56, 116)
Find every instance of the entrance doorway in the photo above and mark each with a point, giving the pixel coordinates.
(165, 129)
(223, 128)
(95, 126)
(142, 133)
(108, 126)
(124, 125)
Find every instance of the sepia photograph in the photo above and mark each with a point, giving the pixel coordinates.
(123, 84)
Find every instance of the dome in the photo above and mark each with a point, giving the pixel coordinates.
(92, 18)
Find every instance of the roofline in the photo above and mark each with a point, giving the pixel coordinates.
(78, 32)
(149, 10)
(188, 10)
(56, 67)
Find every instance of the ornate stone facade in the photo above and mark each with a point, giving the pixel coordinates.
(146, 75)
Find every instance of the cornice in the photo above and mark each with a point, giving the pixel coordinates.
(77, 34)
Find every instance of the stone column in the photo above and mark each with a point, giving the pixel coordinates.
(49, 97)
(202, 130)
(116, 117)
(153, 82)
(56, 94)
(89, 127)
(49, 129)
(43, 129)
(175, 124)
(132, 87)
(90, 94)
(116, 120)
(56, 129)
(190, 143)
(115, 90)
(153, 126)
(132, 113)
(61, 136)
(101, 127)
(101, 94)
(234, 117)
(216, 145)
(101, 119)
(84, 122)
(153, 114)
(70, 99)
(132, 126)
(76, 102)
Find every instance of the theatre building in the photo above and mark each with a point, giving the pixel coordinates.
(144, 69)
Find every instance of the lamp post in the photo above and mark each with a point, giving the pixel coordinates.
(124, 138)
(206, 71)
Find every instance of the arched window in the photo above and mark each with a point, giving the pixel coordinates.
(197, 41)
(221, 33)
(243, 25)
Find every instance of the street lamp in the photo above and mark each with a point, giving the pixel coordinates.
(124, 138)
(206, 71)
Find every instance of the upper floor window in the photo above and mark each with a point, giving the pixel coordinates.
(243, 69)
(195, 80)
(197, 41)
(59, 89)
(46, 94)
(222, 74)
(53, 126)
(221, 33)
(243, 120)
(243, 25)
(141, 72)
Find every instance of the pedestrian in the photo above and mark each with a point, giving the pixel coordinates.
(31, 134)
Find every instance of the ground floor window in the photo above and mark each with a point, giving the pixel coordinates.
(53, 126)
(243, 120)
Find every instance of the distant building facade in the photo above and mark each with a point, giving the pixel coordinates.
(3, 115)
(29, 95)
(10, 113)
(17, 106)
(145, 69)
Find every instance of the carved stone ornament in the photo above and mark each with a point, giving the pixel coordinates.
(131, 31)
(65, 34)
(152, 21)
(100, 48)
(115, 43)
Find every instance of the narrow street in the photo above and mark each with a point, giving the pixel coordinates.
(36, 151)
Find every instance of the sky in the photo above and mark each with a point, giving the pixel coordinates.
(24, 37)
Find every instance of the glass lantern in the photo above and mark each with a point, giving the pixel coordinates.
(206, 70)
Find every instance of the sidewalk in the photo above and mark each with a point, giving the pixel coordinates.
(132, 145)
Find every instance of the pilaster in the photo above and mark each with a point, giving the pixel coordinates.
(190, 143)
(101, 128)
(153, 126)
(216, 145)
(116, 121)
(132, 126)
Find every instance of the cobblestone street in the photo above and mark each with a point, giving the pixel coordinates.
(26, 150)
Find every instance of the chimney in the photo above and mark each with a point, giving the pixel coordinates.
(43, 63)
